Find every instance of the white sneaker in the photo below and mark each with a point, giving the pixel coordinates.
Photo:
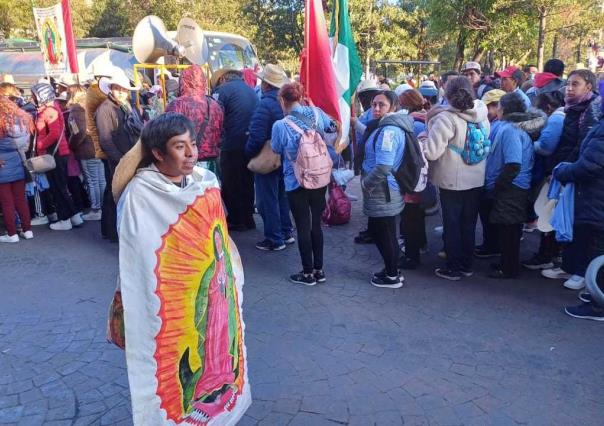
(27, 235)
(61, 225)
(76, 219)
(9, 238)
(39, 220)
(53, 217)
(555, 274)
(92, 215)
(575, 282)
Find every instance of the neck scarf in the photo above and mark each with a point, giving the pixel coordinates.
(571, 101)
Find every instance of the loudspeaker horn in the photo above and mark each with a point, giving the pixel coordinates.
(151, 41)
(190, 37)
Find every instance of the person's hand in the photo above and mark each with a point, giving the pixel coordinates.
(2, 163)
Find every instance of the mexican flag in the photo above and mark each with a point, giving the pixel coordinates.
(346, 63)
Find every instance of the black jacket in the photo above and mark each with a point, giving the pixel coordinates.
(113, 137)
(578, 121)
(239, 102)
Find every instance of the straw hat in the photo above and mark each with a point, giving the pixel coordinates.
(273, 75)
(8, 78)
(126, 170)
(492, 96)
(219, 73)
(67, 80)
(367, 85)
(119, 79)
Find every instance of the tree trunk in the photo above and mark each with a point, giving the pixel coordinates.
(555, 46)
(579, 50)
(460, 49)
(541, 39)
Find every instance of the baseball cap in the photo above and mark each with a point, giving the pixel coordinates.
(492, 96)
(471, 66)
(508, 72)
(402, 89)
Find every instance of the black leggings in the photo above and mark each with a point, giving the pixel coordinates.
(413, 225)
(57, 180)
(383, 231)
(307, 206)
(509, 240)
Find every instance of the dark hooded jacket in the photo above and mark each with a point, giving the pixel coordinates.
(587, 172)
(511, 201)
(578, 121)
(205, 113)
(239, 102)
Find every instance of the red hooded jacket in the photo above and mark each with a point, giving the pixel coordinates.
(205, 113)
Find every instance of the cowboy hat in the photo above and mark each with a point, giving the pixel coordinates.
(118, 79)
(67, 80)
(273, 75)
(126, 169)
(219, 73)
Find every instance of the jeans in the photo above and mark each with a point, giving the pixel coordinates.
(460, 214)
(587, 244)
(57, 179)
(94, 173)
(383, 231)
(413, 224)
(490, 231)
(509, 238)
(307, 206)
(12, 198)
(237, 188)
(109, 212)
(272, 205)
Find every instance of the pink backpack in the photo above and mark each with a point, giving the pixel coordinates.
(338, 209)
(312, 166)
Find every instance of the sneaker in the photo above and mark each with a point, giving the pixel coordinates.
(442, 254)
(363, 238)
(92, 215)
(448, 274)
(585, 297)
(466, 272)
(53, 217)
(268, 245)
(319, 276)
(585, 311)
(76, 219)
(555, 274)
(39, 220)
(302, 278)
(61, 225)
(537, 263)
(483, 253)
(9, 238)
(27, 235)
(289, 240)
(386, 282)
(408, 263)
(530, 227)
(575, 283)
(382, 274)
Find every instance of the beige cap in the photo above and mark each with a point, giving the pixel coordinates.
(273, 75)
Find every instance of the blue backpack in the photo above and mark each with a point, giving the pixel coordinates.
(477, 145)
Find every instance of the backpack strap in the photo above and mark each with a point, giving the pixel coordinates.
(312, 124)
(294, 126)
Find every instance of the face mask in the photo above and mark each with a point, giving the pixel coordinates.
(120, 96)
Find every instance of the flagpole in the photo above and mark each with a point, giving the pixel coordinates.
(306, 45)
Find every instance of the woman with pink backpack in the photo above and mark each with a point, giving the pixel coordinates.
(307, 171)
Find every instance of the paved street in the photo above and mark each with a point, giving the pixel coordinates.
(475, 352)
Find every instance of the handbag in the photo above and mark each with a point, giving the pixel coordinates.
(338, 208)
(266, 161)
(44, 163)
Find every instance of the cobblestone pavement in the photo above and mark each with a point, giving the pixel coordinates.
(475, 352)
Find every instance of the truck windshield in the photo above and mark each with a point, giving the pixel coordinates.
(230, 53)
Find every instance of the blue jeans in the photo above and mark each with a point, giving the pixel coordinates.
(460, 214)
(94, 172)
(272, 205)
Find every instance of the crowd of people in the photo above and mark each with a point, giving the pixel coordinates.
(482, 146)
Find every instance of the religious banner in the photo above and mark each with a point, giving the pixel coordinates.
(53, 42)
(181, 282)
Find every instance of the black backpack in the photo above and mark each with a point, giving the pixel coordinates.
(411, 175)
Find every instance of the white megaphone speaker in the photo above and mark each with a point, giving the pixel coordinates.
(152, 41)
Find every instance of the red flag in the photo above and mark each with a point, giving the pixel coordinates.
(69, 39)
(316, 69)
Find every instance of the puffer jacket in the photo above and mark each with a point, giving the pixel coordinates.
(239, 102)
(10, 144)
(587, 172)
(448, 126)
(94, 99)
(578, 121)
(261, 126)
(197, 107)
(50, 128)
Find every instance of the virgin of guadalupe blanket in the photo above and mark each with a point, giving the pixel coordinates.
(181, 281)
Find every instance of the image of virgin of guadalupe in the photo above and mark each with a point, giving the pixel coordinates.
(211, 389)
